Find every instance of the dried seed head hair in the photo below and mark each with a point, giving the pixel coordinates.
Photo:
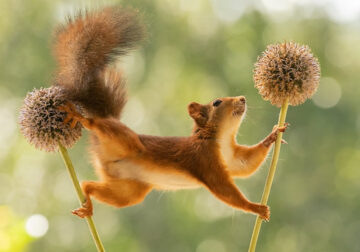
(42, 123)
(287, 70)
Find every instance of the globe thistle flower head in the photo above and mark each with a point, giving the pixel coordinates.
(287, 70)
(42, 123)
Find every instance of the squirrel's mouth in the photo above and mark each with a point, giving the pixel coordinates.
(239, 109)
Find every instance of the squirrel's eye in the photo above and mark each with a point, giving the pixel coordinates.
(217, 103)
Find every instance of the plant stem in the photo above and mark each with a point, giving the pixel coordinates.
(270, 177)
(70, 168)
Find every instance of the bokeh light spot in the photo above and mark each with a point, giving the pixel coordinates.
(328, 94)
(37, 225)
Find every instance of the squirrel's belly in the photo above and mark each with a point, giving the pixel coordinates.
(166, 178)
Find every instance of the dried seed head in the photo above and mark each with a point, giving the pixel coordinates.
(287, 70)
(42, 123)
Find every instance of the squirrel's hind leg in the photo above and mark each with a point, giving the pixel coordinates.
(118, 193)
(114, 137)
(225, 190)
(73, 116)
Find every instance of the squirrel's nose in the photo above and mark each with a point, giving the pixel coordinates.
(242, 99)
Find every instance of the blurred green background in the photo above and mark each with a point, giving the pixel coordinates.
(196, 51)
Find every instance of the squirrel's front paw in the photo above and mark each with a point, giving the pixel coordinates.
(283, 128)
(71, 114)
(262, 210)
(274, 134)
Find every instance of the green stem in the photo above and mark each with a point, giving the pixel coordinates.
(70, 168)
(270, 176)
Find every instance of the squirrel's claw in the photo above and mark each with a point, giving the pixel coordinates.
(274, 134)
(85, 211)
(264, 212)
(283, 128)
(71, 114)
(73, 123)
(67, 119)
(67, 107)
(82, 212)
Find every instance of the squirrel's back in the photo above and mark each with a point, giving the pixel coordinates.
(85, 46)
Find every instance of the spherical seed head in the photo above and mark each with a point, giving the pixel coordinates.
(287, 70)
(42, 123)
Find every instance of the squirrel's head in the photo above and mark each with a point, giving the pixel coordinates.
(221, 115)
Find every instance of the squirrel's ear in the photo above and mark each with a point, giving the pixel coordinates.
(198, 113)
(194, 108)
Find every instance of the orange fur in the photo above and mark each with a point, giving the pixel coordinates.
(131, 165)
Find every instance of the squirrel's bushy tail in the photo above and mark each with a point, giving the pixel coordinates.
(85, 46)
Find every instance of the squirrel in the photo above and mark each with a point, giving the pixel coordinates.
(131, 165)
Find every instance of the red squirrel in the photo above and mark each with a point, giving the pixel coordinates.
(131, 165)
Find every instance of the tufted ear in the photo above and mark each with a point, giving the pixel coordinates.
(199, 113)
